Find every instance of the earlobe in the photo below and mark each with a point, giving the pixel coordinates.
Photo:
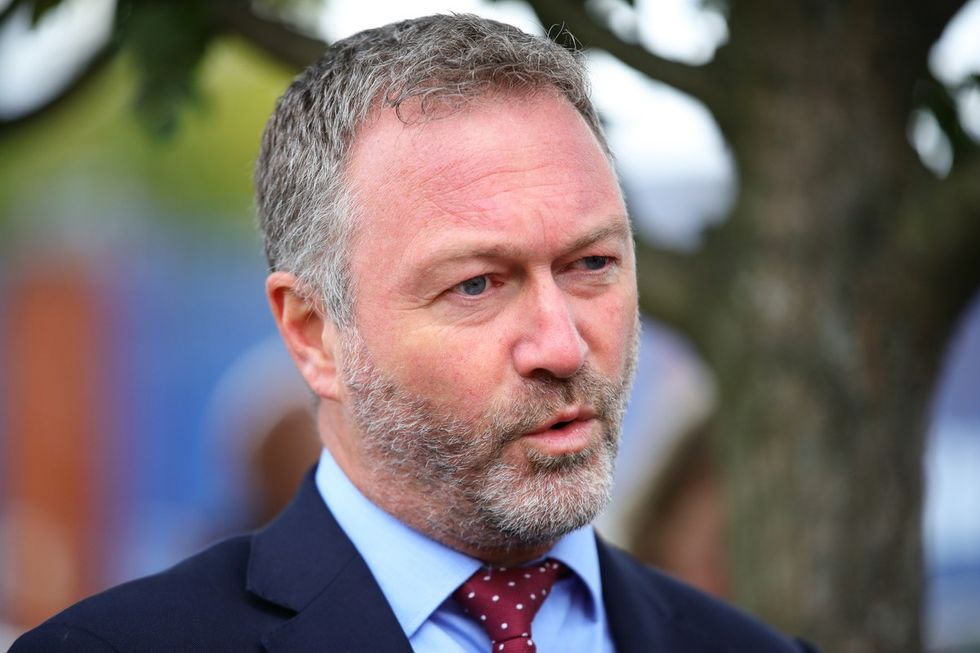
(310, 336)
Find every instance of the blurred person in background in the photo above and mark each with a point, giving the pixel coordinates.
(261, 432)
(453, 274)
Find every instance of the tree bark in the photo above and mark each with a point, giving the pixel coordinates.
(825, 329)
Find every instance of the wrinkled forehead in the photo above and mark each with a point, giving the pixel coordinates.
(443, 146)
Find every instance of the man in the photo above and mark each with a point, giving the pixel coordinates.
(453, 274)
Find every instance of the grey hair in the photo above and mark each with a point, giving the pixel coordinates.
(306, 212)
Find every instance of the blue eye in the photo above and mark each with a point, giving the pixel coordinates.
(595, 262)
(473, 287)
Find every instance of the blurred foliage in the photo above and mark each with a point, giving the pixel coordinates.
(166, 42)
(290, 10)
(204, 166)
(941, 101)
(42, 7)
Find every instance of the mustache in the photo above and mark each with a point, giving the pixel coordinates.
(450, 446)
(541, 397)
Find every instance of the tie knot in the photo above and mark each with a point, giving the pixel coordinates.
(504, 601)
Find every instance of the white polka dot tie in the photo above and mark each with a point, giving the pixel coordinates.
(504, 601)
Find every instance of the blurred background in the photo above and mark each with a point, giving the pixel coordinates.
(804, 436)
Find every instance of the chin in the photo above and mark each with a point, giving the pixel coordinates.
(546, 497)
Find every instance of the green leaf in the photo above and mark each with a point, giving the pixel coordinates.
(41, 8)
(167, 41)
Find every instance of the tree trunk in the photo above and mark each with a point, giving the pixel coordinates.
(822, 327)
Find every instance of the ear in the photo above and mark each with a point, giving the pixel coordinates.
(310, 336)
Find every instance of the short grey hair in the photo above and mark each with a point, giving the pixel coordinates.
(306, 211)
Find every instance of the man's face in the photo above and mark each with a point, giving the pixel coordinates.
(485, 382)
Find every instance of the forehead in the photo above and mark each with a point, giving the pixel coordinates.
(494, 168)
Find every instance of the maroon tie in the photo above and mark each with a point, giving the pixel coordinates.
(505, 600)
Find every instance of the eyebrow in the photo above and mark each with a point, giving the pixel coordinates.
(622, 229)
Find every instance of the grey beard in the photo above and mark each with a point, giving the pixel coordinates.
(449, 470)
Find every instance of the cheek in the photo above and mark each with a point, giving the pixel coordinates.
(609, 329)
(458, 367)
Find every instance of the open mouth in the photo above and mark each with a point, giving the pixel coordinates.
(566, 420)
(570, 433)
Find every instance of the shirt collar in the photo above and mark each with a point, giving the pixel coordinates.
(416, 573)
(578, 551)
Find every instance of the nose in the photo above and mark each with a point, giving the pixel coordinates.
(550, 338)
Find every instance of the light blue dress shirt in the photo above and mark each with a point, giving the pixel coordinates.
(418, 576)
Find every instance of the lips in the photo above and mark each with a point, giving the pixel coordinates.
(569, 431)
(563, 419)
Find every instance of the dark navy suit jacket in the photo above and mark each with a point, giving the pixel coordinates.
(300, 586)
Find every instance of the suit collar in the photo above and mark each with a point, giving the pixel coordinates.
(647, 611)
(637, 618)
(303, 561)
(299, 553)
(641, 617)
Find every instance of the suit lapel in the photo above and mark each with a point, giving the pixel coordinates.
(303, 561)
(350, 614)
(640, 619)
(637, 624)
